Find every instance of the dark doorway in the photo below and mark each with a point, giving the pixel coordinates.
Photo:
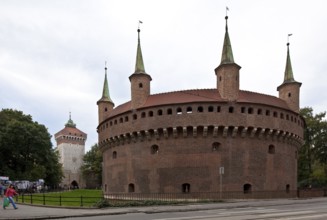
(74, 185)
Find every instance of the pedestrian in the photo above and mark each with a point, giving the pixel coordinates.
(10, 192)
(1, 190)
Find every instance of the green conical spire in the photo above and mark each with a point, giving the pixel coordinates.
(288, 77)
(105, 92)
(139, 66)
(227, 54)
(70, 122)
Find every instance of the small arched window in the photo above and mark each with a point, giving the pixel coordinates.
(189, 110)
(131, 188)
(154, 149)
(159, 112)
(140, 85)
(200, 109)
(179, 111)
(114, 155)
(231, 109)
(250, 111)
(150, 113)
(210, 109)
(215, 146)
(186, 188)
(271, 149)
(275, 114)
(247, 188)
(169, 111)
(143, 115)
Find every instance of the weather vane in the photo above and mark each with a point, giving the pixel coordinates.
(288, 38)
(227, 9)
(140, 22)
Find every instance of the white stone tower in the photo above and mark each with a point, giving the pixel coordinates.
(71, 147)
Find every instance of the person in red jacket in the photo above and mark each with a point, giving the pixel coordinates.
(10, 192)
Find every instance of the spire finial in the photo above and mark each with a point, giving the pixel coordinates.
(105, 67)
(226, 18)
(70, 122)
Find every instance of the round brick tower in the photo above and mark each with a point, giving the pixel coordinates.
(202, 140)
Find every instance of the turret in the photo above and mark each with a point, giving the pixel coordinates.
(289, 90)
(228, 80)
(140, 81)
(105, 104)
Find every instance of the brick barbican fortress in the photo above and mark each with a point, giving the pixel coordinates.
(186, 141)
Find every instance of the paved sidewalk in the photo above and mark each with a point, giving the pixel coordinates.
(41, 212)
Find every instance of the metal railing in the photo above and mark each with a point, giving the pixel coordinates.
(201, 196)
(83, 201)
(53, 200)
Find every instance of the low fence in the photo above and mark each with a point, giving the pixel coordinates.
(200, 196)
(216, 196)
(83, 201)
(53, 200)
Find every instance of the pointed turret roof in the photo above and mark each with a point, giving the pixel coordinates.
(139, 65)
(288, 75)
(105, 92)
(227, 54)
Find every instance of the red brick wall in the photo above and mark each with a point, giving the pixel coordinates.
(290, 92)
(228, 81)
(139, 93)
(185, 153)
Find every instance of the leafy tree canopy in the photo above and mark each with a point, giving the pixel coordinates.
(93, 164)
(313, 154)
(26, 151)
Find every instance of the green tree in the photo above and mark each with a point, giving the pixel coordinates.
(92, 167)
(26, 151)
(313, 154)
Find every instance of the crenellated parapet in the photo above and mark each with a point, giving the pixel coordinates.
(202, 131)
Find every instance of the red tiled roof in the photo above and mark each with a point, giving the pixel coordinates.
(71, 131)
(202, 95)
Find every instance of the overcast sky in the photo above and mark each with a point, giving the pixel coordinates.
(52, 53)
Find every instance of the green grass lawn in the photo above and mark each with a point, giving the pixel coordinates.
(73, 198)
